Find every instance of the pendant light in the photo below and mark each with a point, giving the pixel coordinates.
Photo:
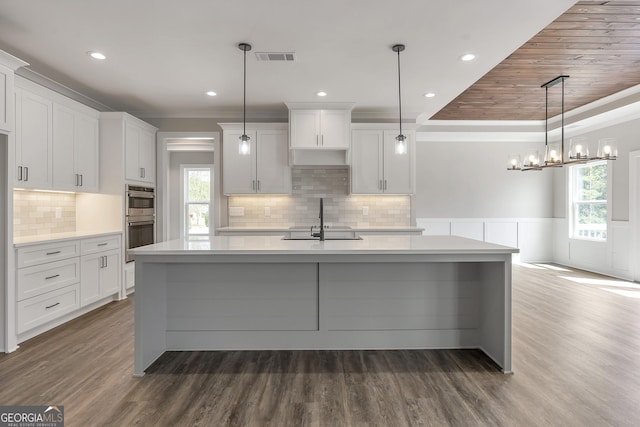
(554, 154)
(244, 146)
(401, 139)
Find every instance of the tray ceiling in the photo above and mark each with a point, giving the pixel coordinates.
(596, 43)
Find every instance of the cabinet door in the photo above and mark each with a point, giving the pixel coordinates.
(110, 276)
(398, 168)
(147, 156)
(335, 127)
(90, 279)
(366, 162)
(6, 99)
(304, 127)
(132, 152)
(238, 170)
(86, 152)
(272, 169)
(33, 141)
(64, 173)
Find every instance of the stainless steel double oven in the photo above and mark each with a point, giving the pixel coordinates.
(140, 218)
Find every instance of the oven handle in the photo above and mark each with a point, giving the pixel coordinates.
(133, 223)
(140, 194)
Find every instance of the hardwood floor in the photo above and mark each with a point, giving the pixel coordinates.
(576, 357)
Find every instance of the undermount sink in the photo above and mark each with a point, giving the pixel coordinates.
(326, 238)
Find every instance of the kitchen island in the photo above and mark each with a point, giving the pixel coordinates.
(381, 292)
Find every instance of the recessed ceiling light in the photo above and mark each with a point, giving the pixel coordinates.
(211, 93)
(96, 55)
(429, 95)
(468, 57)
(321, 93)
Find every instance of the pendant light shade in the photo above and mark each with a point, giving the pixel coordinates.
(244, 142)
(401, 139)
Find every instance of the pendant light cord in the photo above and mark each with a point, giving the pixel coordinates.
(244, 95)
(399, 94)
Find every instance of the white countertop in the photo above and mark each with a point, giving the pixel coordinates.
(58, 237)
(333, 228)
(261, 245)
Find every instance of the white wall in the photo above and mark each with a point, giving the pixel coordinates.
(176, 159)
(471, 180)
(612, 257)
(628, 137)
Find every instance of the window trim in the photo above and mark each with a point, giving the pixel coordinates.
(184, 168)
(573, 202)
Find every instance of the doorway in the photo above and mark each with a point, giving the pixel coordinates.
(177, 150)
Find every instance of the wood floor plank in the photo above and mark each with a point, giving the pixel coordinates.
(576, 348)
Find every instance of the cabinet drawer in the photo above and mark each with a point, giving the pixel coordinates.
(44, 308)
(39, 279)
(99, 244)
(49, 252)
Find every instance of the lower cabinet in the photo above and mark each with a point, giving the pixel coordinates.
(60, 279)
(100, 274)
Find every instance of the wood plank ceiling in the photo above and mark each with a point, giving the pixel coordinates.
(596, 43)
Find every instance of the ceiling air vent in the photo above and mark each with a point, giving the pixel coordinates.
(276, 56)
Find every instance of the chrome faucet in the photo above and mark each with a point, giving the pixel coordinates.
(321, 216)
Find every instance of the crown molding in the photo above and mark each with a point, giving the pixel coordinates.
(38, 78)
(11, 61)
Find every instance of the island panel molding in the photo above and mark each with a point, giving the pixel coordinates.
(381, 292)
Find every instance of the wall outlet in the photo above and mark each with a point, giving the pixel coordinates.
(267, 211)
(236, 211)
(365, 211)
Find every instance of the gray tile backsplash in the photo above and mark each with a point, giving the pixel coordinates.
(340, 208)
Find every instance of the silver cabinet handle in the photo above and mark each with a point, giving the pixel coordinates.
(106, 261)
(101, 262)
(51, 277)
(380, 185)
(53, 253)
(253, 184)
(81, 184)
(26, 173)
(318, 140)
(103, 244)
(322, 140)
(51, 306)
(258, 185)
(19, 173)
(385, 184)
(141, 172)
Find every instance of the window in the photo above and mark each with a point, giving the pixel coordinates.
(588, 191)
(197, 200)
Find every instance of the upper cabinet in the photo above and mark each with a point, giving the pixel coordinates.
(127, 152)
(33, 140)
(319, 133)
(375, 166)
(140, 157)
(56, 141)
(321, 129)
(8, 65)
(264, 170)
(75, 150)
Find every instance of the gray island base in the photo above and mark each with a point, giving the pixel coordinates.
(264, 293)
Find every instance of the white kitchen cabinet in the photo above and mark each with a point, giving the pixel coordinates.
(101, 275)
(56, 141)
(33, 140)
(57, 281)
(375, 166)
(8, 65)
(140, 154)
(265, 170)
(127, 152)
(319, 129)
(75, 150)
